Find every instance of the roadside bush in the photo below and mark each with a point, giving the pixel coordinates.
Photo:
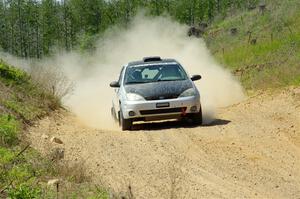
(52, 80)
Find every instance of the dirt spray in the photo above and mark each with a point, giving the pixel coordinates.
(145, 36)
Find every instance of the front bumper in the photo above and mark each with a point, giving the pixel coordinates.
(148, 109)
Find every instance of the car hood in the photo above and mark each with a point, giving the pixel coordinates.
(159, 90)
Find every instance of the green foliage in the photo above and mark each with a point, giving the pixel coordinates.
(296, 81)
(18, 170)
(6, 155)
(12, 74)
(100, 194)
(15, 168)
(24, 191)
(34, 28)
(28, 112)
(87, 41)
(9, 129)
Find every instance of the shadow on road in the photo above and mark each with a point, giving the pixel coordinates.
(176, 124)
(217, 122)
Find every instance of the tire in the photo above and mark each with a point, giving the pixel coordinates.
(125, 124)
(197, 117)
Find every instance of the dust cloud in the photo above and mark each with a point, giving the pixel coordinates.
(145, 36)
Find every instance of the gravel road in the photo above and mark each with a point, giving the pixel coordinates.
(252, 150)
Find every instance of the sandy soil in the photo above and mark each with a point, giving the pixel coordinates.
(252, 150)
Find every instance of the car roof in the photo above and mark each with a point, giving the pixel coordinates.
(155, 61)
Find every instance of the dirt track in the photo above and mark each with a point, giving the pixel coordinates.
(252, 150)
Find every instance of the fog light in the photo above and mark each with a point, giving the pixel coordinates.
(131, 113)
(193, 109)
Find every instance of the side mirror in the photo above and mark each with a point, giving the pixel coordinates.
(196, 77)
(114, 84)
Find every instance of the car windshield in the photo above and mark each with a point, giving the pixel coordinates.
(154, 73)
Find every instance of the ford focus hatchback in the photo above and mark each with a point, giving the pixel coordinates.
(155, 89)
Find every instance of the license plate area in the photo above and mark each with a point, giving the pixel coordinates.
(163, 105)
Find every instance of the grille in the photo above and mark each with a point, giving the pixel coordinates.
(162, 111)
(162, 97)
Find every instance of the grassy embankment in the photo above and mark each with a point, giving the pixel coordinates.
(264, 50)
(23, 172)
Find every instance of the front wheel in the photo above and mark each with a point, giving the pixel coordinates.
(197, 117)
(126, 124)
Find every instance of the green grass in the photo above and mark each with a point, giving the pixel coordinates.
(18, 174)
(6, 155)
(27, 113)
(274, 61)
(12, 75)
(24, 191)
(9, 129)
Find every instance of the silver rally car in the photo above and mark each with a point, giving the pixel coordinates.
(155, 89)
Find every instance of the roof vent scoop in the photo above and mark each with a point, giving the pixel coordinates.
(151, 59)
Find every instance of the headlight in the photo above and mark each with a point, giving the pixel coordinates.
(188, 92)
(134, 97)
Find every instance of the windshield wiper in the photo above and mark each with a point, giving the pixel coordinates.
(168, 80)
(135, 82)
(165, 80)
